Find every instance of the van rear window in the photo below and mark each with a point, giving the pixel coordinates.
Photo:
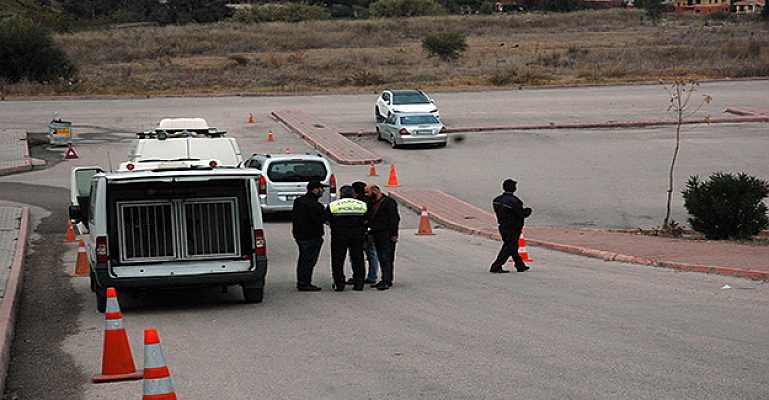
(296, 171)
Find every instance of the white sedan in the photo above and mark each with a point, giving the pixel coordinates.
(403, 101)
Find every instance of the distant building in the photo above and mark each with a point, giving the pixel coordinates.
(749, 6)
(701, 7)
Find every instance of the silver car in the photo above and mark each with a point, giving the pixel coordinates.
(412, 128)
(285, 177)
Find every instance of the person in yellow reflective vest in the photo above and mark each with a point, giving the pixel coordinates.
(347, 218)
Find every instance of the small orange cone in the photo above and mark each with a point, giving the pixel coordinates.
(117, 360)
(70, 232)
(157, 377)
(424, 224)
(71, 154)
(372, 170)
(522, 250)
(392, 181)
(269, 136)
(81, 266)
(251, 118)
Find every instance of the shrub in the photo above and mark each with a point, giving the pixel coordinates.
(727, 206)
(654, 9)
(405, 8)
(765, 12)
(27, 51)
(448, 46)
(288, 12)
(367, 78)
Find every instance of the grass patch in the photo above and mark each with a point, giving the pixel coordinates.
(602, 46)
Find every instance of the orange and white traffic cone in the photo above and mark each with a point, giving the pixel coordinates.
(522, 249)
(251, 118)
(372, 170)
(424, 224)
(117, 360)
(81, 265)
(70, 232)
(157, 377)
(392, 180)
(269, 136)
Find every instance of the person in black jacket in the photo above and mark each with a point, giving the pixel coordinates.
(383, 219)
(510, 217)
(307, 221)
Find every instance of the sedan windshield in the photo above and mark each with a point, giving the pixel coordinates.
(418, 120)
(409, 98)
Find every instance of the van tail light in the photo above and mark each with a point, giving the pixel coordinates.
(332, 184)
(213, 164)
(102, 253)
(260, 243)
(262, 185)
(403, 131)
(130, 167)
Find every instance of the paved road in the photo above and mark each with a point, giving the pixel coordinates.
(571, 328)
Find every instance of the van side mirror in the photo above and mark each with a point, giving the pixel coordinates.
(75, 214)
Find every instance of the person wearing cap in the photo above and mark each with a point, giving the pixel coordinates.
(369, 248)
(347, 219)
(307, 219)
(510, 217)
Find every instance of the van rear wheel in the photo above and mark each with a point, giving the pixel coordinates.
(253, 295)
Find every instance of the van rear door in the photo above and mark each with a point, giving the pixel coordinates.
(80, 192)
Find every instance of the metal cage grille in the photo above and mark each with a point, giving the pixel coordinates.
(147, 231)
(211, 228)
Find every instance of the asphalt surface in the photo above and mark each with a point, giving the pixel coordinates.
(572, 327)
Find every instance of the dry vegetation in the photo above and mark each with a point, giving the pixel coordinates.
(344, 56)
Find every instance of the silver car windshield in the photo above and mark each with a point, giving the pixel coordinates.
(296, 171)
(418, 120)
(409, 98)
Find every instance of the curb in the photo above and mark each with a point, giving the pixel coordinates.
(594, 253)
(323, 149)
(24, 167)
(746, 118)
(9, 306)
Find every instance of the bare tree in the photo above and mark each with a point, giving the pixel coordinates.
(682, 107)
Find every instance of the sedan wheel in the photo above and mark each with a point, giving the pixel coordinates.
(392, 142)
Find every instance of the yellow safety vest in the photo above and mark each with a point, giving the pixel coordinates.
(347, 207)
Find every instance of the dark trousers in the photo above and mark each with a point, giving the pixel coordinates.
(340, 245)
(309, 250)
(385, 251)
(509, 248)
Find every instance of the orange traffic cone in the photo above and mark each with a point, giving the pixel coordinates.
(251, 118)
(393, 179)
(117, 360)
(81, 266)
(372, 170)
(424, 224)
(522, 250)
(71, 154)
(70, 232)
(157, 377)
(269, 136)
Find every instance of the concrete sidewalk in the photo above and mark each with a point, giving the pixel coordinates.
(14, 223)
(14, 152)
(721, 257)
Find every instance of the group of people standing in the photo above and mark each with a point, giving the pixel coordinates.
(364, 224)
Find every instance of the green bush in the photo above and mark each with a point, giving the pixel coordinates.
(448, 46)
(405, 8)
(727, 206)
(288, 12)
(27, 52)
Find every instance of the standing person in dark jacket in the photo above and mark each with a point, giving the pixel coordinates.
(307, 221)
(347, 218)
(510, 217)
(369, 247)
(383, 222)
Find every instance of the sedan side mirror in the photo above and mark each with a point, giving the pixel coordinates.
(75, 214)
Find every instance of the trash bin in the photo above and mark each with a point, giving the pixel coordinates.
(59, 132)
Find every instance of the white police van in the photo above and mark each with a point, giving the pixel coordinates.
(177, 225)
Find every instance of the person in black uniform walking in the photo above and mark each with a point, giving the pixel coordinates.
(510, 217)
(307, 221)
(383, 219)
(347, 218)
